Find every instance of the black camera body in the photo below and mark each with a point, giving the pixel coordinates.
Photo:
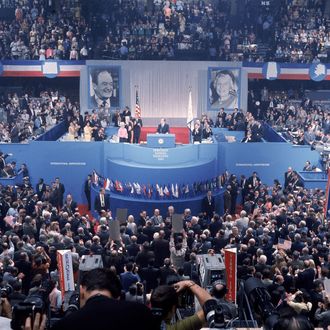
(74, 303)
(28, 308)
(214, 314)
(5, 291)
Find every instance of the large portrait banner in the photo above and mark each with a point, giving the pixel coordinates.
(104, 86)
(224, 88)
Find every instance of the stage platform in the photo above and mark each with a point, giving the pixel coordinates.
(184, 164)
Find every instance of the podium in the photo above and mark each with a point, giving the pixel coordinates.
(161, 140)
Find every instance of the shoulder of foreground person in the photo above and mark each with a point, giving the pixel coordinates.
(101, 312)
(190, 323)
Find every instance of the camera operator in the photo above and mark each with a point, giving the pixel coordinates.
(165, 299)
(100, 308)
(218, 291)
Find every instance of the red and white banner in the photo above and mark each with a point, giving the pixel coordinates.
(231, 273)
(64, 261)
(326, 207)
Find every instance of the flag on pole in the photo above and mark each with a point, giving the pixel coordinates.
(137, 106)
(175, 190)
(95, 178)
(137, 188)
(106, 184)
(119, 186)
(149, 191)
(167, 191)
(190, 115)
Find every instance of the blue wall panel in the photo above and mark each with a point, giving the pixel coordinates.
(269, 160)
(71, 161)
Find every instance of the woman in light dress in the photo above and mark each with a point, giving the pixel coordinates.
(88, 130)
(73, 131)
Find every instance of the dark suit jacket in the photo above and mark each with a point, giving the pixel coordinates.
(208, 207)
(305, 279)
(104, 313)
(3, 161)
(227, 201)
(197, 135)
(72, 208)
(152, 276)
(249, 181)
(40, 189)
(97, 203)
(163, 130)
(94, 104)
(127, 279)
(161, 250)
(59, 192)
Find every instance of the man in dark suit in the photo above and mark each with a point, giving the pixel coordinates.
(59, 192)
(102, 201)
(288, 177)
(3, 160)
(208, 205)
(101, 309)
(25, 104)
(102, 82)
(70, 205)
(128, 277)
(30, 205)
(163, 127)
(227, 200)
(257, 132)
(253, 180)
(161, 249)
(306, 277)
(133, 248)
(14, 133)
(87, 190)
(40, 188)
(151, 275)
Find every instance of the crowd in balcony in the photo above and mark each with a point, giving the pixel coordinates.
(299, 118)
(25, 118)
(302, 34)
(294, 31)
(40, 32)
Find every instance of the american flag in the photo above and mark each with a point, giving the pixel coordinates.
(137, 106)
(95, 178)
(284, 244)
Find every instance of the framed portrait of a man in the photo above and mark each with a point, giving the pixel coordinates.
(224, 88)
(104, 86)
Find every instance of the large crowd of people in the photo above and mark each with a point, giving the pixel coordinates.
(301, 120)
(45, 30)
(38, 221)
(280, 232)
(301, 34)
(294, 31)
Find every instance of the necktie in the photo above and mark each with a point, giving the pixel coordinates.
(102, 200)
